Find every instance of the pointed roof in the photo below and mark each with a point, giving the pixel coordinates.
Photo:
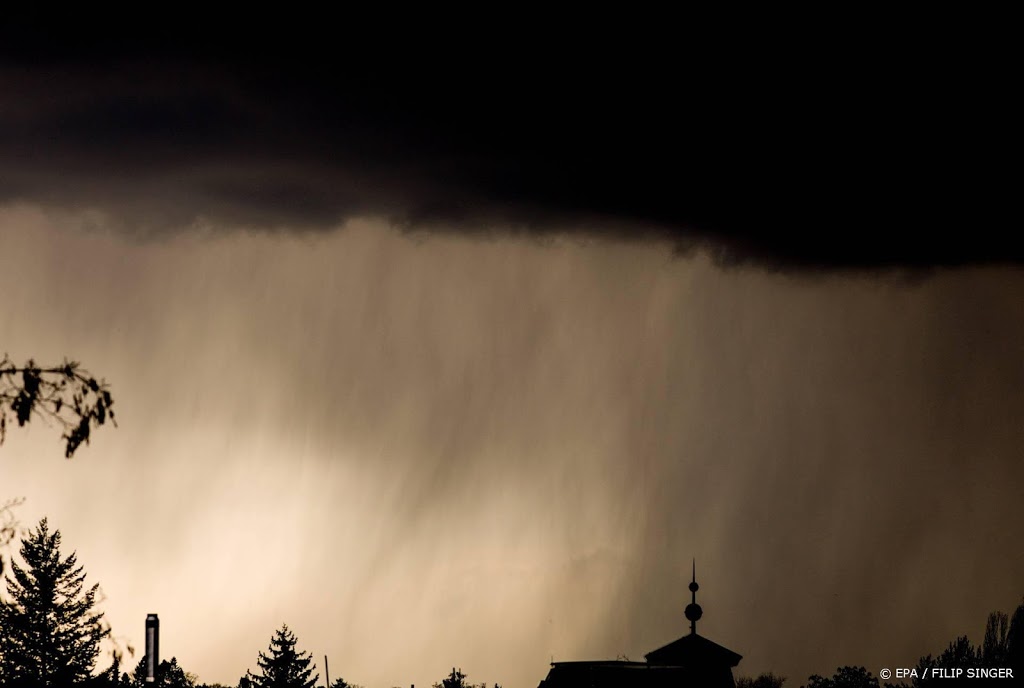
(694, 650)
(692, 661)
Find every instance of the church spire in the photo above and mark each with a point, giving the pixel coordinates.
(693, 610)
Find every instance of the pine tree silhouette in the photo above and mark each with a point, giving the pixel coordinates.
(168, 675)
(52, 631)
(456, 679)
(284, 668)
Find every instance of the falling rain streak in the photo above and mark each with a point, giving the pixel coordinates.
(421, 452)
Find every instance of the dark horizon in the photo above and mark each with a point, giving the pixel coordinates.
(690, 659)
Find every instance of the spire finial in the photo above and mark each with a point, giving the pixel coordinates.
(693, 610)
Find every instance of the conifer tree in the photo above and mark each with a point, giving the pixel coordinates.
(284, 667)
(168, 675)
(51, 629)
(456, 679)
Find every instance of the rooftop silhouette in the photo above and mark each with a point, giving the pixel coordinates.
(691, 660)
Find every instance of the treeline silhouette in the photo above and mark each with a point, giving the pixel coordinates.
(50, 630)
(1002, 647)
(51, 633)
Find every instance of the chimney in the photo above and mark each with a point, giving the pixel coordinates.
(152, 647)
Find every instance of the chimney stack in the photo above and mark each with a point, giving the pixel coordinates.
(152, 647)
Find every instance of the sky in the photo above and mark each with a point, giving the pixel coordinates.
(443, 370)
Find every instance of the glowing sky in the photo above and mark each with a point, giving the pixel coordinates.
(422, 451)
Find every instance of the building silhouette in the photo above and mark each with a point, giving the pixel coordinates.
(691, 660)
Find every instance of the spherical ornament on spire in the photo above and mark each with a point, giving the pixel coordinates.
(694, 587)
(694, 612)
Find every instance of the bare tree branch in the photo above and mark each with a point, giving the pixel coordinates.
(66, 395)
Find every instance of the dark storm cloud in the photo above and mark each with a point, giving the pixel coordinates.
(785, 157)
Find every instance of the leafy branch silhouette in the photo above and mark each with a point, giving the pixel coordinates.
(66, 395)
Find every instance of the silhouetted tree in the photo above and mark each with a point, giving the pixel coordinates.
(768, 680)
(994, 645)
(340, 683)
(959, 654)
(845, 677)
(112, 677)
(456, 679)
(1015, 642)
(65, 394)
(284, 667)
(52, 631)
(1002, 646)
(168, 675)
